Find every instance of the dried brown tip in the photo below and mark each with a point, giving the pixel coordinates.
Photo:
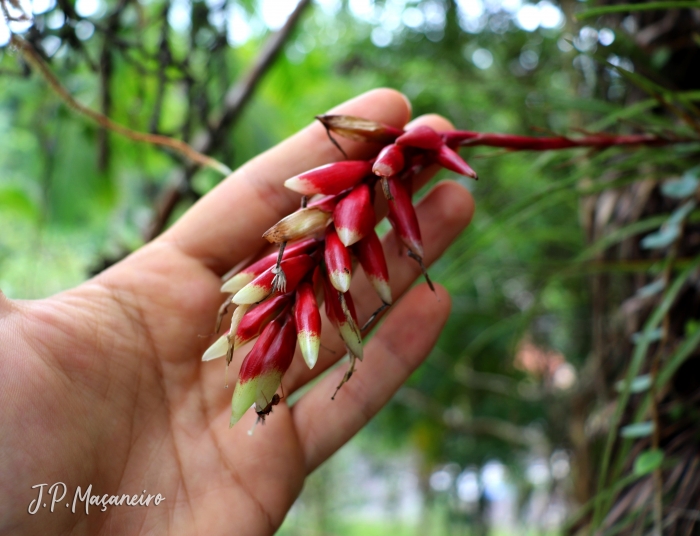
(385, 188)
(359, 129)
(222, 312)
(419, 260)
(373, 317)
(300, 224)
(347, 375)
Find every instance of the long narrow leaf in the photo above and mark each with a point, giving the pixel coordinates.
(622, 8)
(640, 353)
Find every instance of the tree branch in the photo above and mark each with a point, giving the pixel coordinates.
(33, 58)
(234, 102)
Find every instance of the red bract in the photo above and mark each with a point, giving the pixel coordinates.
(325, 203)
(262, 286)
(354, 215)
(389, 162)
(338, 261)
(371, 256)
(449, 159)
(343, 317)
(246, 275)
(421, 137)
(308, 322)
(331, 178)
(403, 217)
(258, 317)
(262, 369)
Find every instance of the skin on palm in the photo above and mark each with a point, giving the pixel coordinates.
(103, 384)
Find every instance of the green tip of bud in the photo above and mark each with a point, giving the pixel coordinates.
(348, 236)
(352, 338)
(341, 280)
(236, 283)
(251, 294)
(216, 350)
(310, 344)
(383, 289)
(243, 397)
(299, 185)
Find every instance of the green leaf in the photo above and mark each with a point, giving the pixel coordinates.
(633, 370)
(680, 188)
(652, 288)
(622, 8)
(640, 429)
(647, 336)
(681, 213)
(647, 461)
(639, 384)
(16, 200)
(678, 358)
(663, 238)
(692, 326)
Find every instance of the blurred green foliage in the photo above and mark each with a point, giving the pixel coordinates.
(519, 276)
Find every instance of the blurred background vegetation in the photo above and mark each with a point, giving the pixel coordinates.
(563, 396)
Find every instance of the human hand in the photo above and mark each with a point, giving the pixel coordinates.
(103, 384)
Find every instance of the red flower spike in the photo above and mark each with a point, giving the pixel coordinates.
(303, 223)
(390, 161)
(338, 261)
(422, 137)
(359, 129)
(261, 287)
(371, 255)
(262, 369)
(403, 217)
(449, 159)
(330, 179)
(308, 321)
(246, 275)
(354, 215)
(257, 318)
(345, 323)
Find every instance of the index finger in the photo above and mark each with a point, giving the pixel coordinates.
(227, 224)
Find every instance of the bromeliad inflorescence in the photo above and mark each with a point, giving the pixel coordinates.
(277, 297)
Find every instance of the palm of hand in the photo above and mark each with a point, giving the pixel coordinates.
(104, 385)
